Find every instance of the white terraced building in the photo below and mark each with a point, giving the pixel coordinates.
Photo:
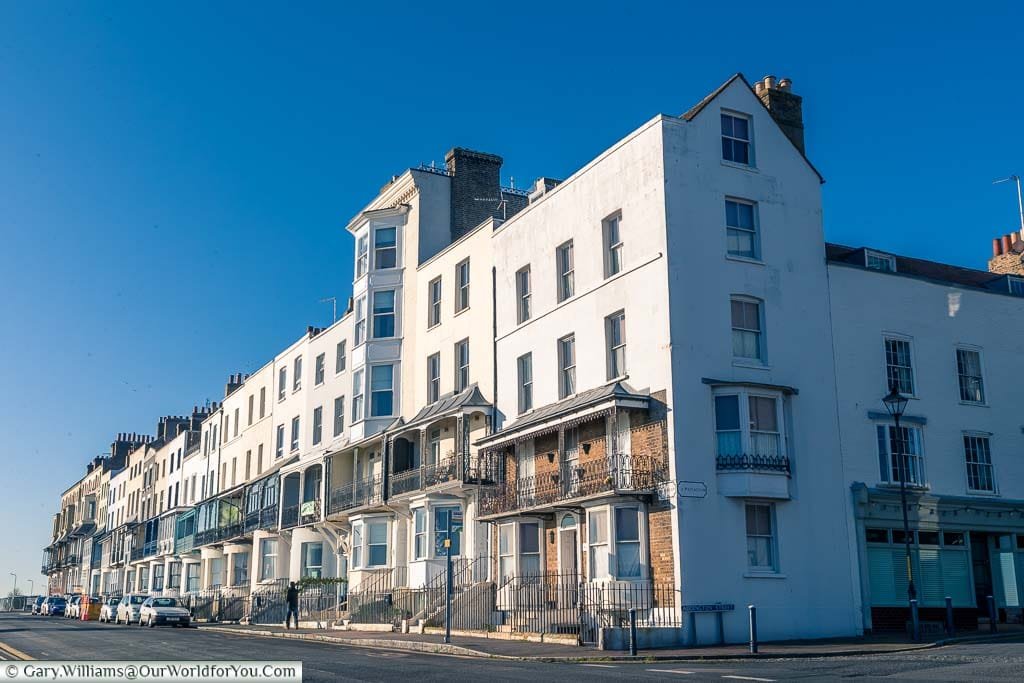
(650, 385)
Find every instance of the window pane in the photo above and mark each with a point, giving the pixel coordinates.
(377, 532)
(627, 524)
(727, 412)
(529, 538)
(763, 417)
(627, 560)
(598, 527)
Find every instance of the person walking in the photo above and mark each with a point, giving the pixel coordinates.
(293, 606)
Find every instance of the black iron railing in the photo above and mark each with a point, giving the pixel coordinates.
(185, 543)
(268, 517)
(619, 473)
(476, 469)
(355, 494)
(149, 548)
(756, 463)
(136, 554)
(290, 516)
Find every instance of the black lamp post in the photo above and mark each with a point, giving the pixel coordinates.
(896, 404)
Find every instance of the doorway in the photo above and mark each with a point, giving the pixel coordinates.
(981, 563)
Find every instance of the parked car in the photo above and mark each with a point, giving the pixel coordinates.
(53, 605)
(71, 612)
(108, 611)
(156, 611)
(37, 605)
(128, 608)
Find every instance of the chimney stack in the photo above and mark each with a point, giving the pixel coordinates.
(1008, 254)
(785, 107)
(475, 188)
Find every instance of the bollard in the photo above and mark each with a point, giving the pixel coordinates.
(950, 626)
(991, 613)
(632, 632)
(753, 629)
(915, 624)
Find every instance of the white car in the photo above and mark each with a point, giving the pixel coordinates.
(108, 611)
(128, 608)
(156, 611)
(71, 612)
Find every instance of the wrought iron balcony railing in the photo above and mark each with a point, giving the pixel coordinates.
(619, 473)
(479, 469)
(290, 516)
(753, 463)
(310, 511)
(268, 517)
(355, 494)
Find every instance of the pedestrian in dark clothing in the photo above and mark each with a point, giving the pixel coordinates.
(293, 606)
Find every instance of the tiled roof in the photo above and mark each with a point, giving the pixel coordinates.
(468, 397)
(929, 270)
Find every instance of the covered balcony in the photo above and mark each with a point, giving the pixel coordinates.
(599, 443)
(261, 508)
(435, 448)
(355, 478)
(301, 496)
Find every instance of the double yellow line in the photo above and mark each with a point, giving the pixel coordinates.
(14, 652)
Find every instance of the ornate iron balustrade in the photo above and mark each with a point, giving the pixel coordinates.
(290, 516)
(619, 473)
(185, 543)
(149, 549)
(232, 530)
(480, 469)
(136, 554)
(268, 517)
(755, 463)
(252, 520)
(355, 494)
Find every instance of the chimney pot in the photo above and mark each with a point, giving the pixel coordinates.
(997, 247)
(1007, 243)
(769, 82)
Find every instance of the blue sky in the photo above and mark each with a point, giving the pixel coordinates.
(174, 181)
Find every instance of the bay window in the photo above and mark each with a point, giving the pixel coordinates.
(419, 534)
(370, 544)
(748, 424)
(442, 515)
(615, 542)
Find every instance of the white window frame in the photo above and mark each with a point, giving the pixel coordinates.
(746, 431)
(297, 374)
(462, 286)
(433, 377)
(390, 390)
(611, 541)
(1015, 285)
(296, 433)
(462, 365)
(961, 377)
(733, 138)
(880, 261)
(899, 339)
(915, 436)
(986, 438)
(762, 353)
(523, 294)
(340, 357)
(435, 294)
(565, 268)
(318, 425)
(268, 559)
(282, 383)
(279, 446)
(319, 372)
(378, 250)
(384, 313)
(360, 325)
(772, 536)
(358, 380)
(419, 533)
(512, 553)
(524, 380)
(361, 542)
(362, 255)
(615, 349)
(753, 232)
(339, 416)
(611, 229)
(566, 367)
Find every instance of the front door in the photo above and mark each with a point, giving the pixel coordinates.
(982, 564)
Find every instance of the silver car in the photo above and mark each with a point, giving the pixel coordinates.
(156, 611)
(108, 612)
(129, 607)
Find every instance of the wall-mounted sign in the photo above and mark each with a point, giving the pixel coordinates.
(681, 489)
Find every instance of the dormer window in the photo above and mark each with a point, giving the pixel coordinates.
(876, 260)
(1016, 285)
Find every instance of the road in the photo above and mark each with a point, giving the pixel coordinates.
(57, 638)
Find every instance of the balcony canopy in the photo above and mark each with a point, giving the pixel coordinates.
(584, 405)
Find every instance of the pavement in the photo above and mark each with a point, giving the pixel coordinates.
(49, 639)
(503, 648)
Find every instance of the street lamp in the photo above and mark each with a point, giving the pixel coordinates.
(15, 591)
(896, 404)
(31, 587)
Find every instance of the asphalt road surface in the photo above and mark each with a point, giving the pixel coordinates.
(58, 638)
